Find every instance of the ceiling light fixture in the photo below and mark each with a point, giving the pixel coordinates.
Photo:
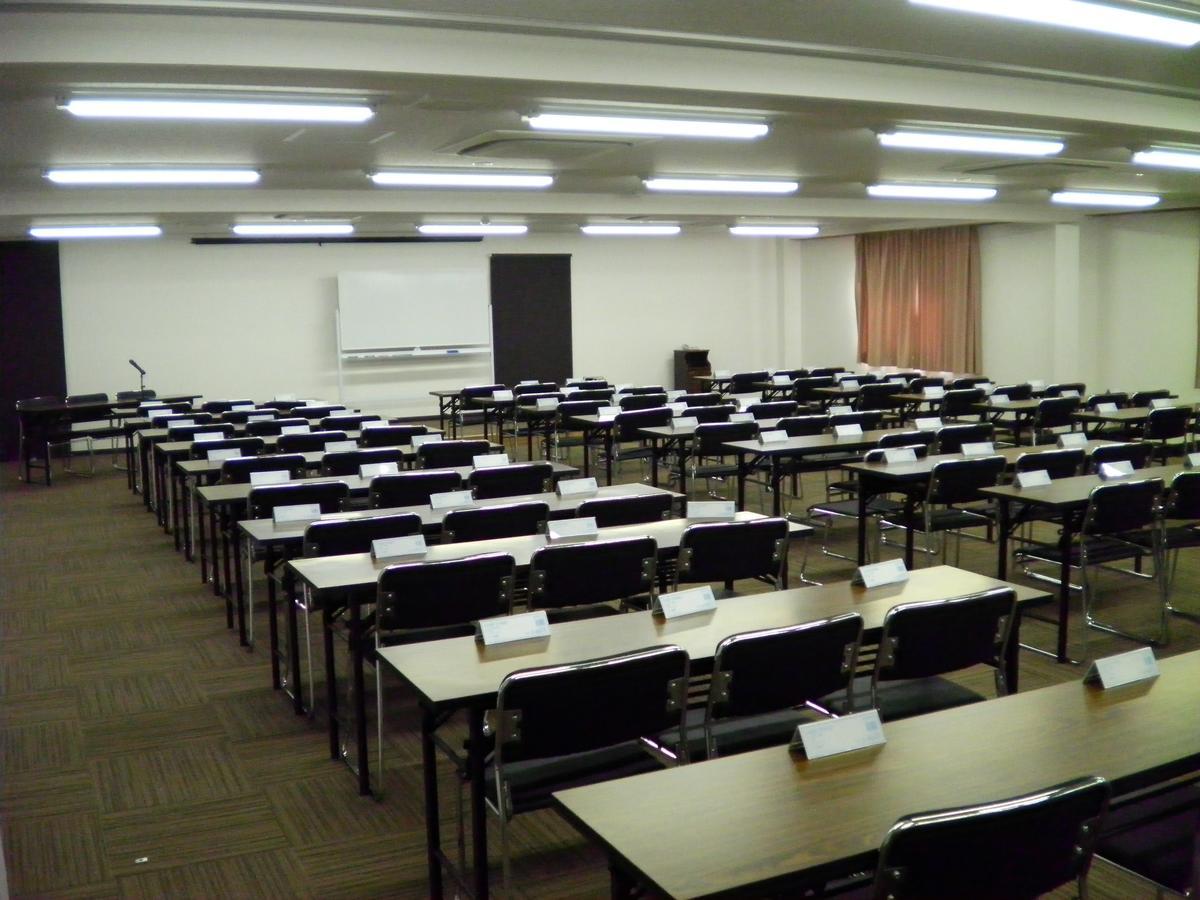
(472, 229)
(1170, 159)
(931, 192)
(1104, 198)
(721, 185)
(782, 231)
(295, 229)
(662, 127)
(57, 232)
(971, 143)
(1086, 16)
(230, 110)
(630, 230)
(152, 176)
(462, 179)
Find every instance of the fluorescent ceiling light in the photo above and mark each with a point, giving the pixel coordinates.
(721, 185)
(236, 110)
(971, 143)
(1087, 16)
(462, 179)
(1103, 198)
(704, 128)
(796, 231)
(1171, 159)
(294, 229)
(152, 176)
(931, 192)
(472, 229)
(630, 229)
(94, 231)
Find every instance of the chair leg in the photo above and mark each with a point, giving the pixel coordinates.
(380, 779)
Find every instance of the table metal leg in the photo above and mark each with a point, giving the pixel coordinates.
(433, 836)
(331, 698)
(475, 767)
(863, 498)
(910, 504)
(608, 454)
(235, 587)
(272, 616)
(1004, 515)
(357, 641)
(293, 633)
(1064, 588)
(777, 485)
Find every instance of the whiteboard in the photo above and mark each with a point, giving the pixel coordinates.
(427, 309)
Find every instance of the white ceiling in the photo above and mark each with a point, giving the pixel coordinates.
(450, 80)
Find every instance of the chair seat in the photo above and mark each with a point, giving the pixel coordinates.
(1156, 837)
(903, 699)
(1175, 538)
(715, 471)
(876, 506)
(532, 783)
(940, 520)
(1099, 551)
(744, 734)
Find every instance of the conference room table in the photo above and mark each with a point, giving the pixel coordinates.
(1015, 415)
(1068, 498)
(714, 382)
(837, 395)
(1129, 418)
(666, 440)
(449, 406)
(771, 822)
(326, 580)
(460, 674)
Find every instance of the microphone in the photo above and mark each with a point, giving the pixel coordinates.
(141, 371)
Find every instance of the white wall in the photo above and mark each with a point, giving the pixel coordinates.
(827, 333)
(1017, 290)
(258, 320)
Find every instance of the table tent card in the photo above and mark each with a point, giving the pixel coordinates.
(713, 510)
(508, 629)
(490, 460)
(830, 737)
(410, 546)
(1123, 668)
(685, 603)
(1033, 478)
(577, 487)
(890, 571)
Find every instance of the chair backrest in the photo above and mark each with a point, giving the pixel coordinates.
(348, 421)
(188, 432)
(87, 398)
(959, 480)
(1013, 392)
(969, 381)
(1143, 398)
(390, 435)
(1183, 502)
(1055, 412)
(719, 413)
(641, 401)
(777, 409)
(315, 412)
(274, 427)
(908, 439)
(1056, 463)
(146, 394)
(728, 551)
(283, 405)
(588, 384)
(573, 407)
(601, 394)
(347, 462)
(790, 373)
(335, 537)
(1137, 454)
(238, 471)
(868, 420)
(170, 409)
(561, 710)
(246, 446)
(1163, 424)
(921, 382)
(804, 390)
(1120, 398)
(164, 421)
(1020, 847)
(487, 523)
(329, 495)
(712, 398)
(863, 378)
(419, 595)
(540, 387)
(1122, 506)
(239, 416)
(308, 442)
(935, 637)
(1065, 387)
(410, 488)
(879, 454)
(878, 396)
(511, 481)
(960, 402)
(645, 389)
(764, 671)
(951, 438)
(826, 371)
(591, 572)
(223, 406)
(709, 438)
(451, 454)
(745, 382)
(632, 510)
(803, 426)
(628, 424)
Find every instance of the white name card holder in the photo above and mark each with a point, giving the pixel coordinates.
(1109, 471)
(509, 629)
(672, 396)
(421, 439)
(502, 396)
(241, 407)
(181, 423)
(741, 417)
(547, 404)
(711, 510)
(373, 423)
(577, 487)
(609, 411)
(1038, 385)
(223, 453)
(775, 436)
(978, 448)
(850, 384)
(848, 430)
(899, 456)
(528, 381)
(370, 470)
(890, 571)
(933, 393)
(1192, 461)
(295, 513)
(840, 409)
(781, 380)
(410, 546)
(489, 460)
(295, 429)
(1033, 478)
(830, 737)
(685, 603)
(987, 387)
(205, 436)
(451, 500)
(340, 446)
(273, 476)
(1106, 409)
(1072, 439)
(1072, 394)
(723, 373)
(927, 423)
(1123, 668)
(566, 531)
(676, 408)
(259, 417)
(680, 423)
(1162, 403)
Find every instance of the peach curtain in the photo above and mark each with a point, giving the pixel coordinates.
(917, 295)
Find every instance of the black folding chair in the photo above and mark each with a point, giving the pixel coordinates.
(310, 442)
(730, 551)
(410, 488)
(577, 581)
(511, 481)
(632, 510)
(349, 462)
(389, 435)
(451, 454)
(488, 523)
